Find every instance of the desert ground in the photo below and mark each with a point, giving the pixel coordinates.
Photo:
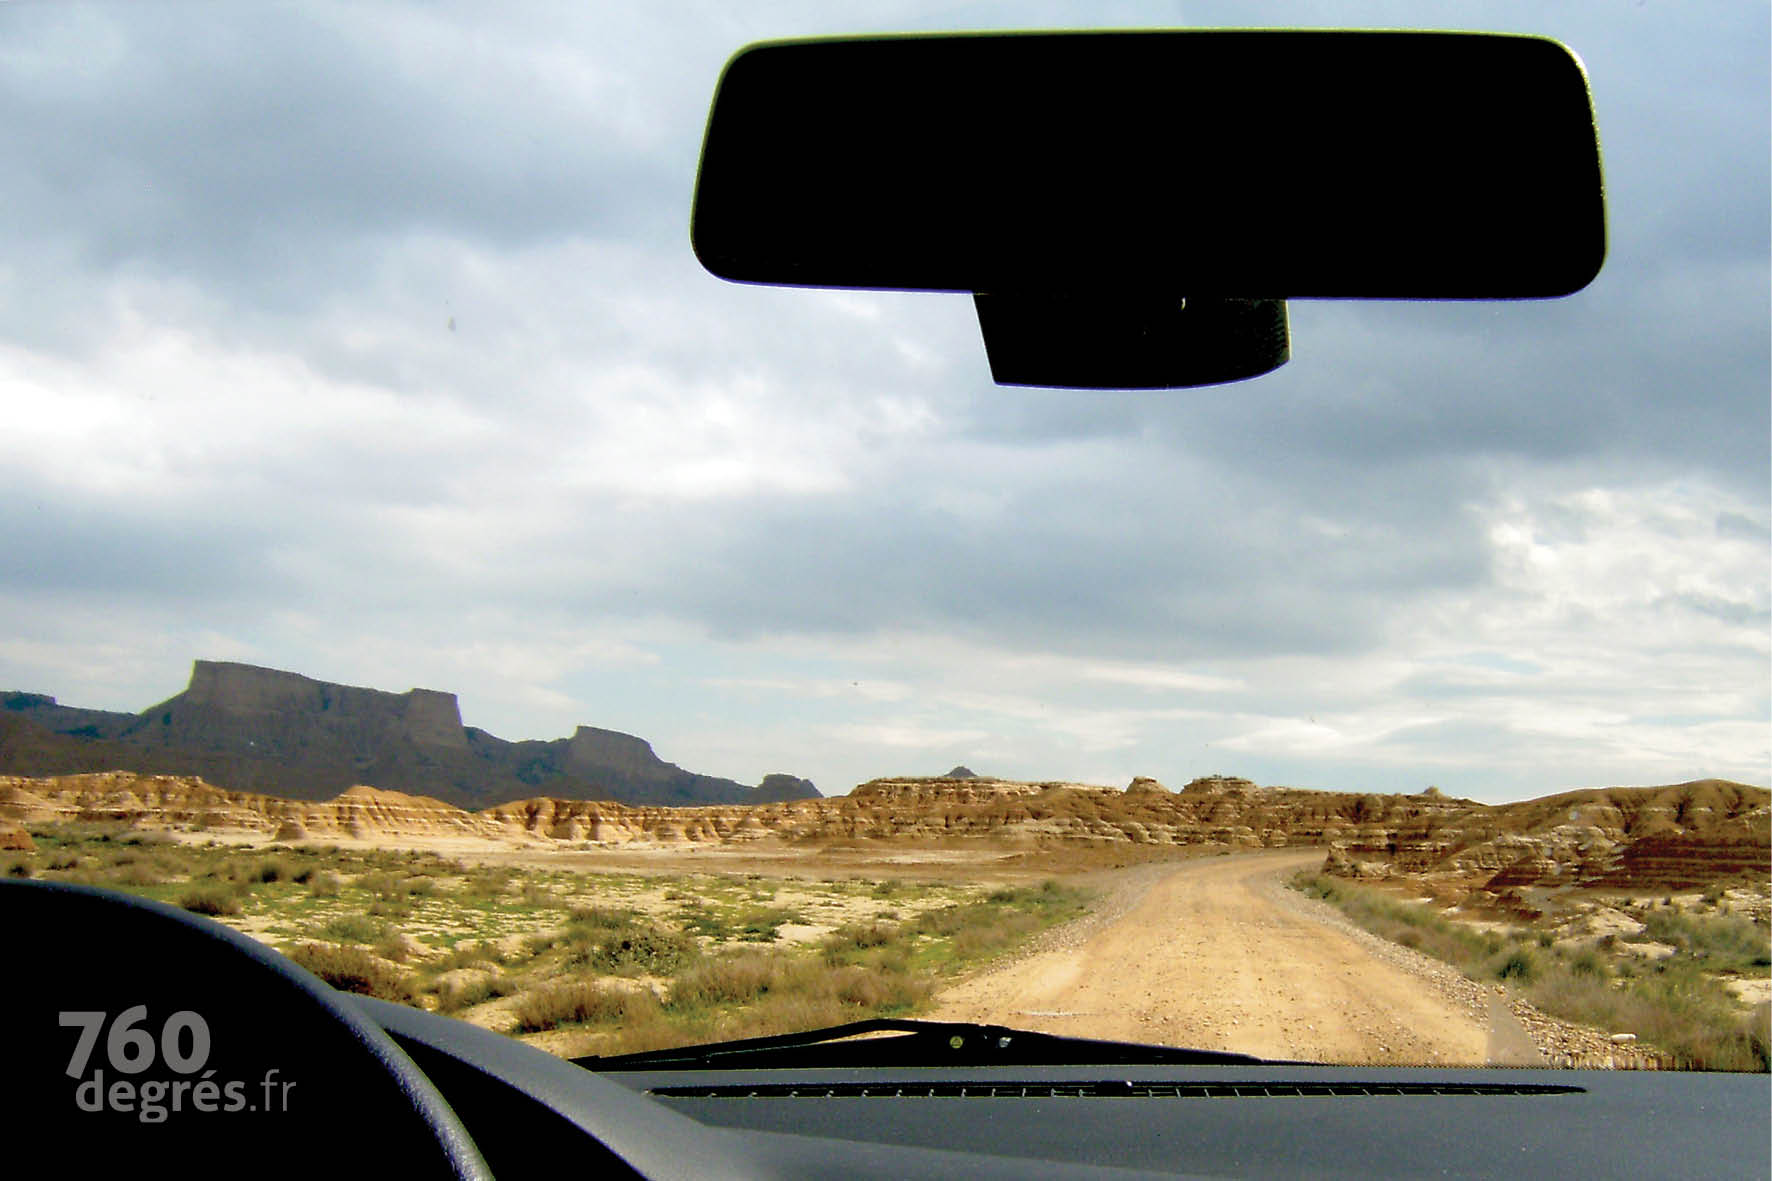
(1639, 916)
(1212, 953)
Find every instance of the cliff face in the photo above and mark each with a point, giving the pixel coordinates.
(264, 730)
(1715, 830)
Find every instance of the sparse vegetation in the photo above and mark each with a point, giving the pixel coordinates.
(631, 962)
(354, 928)
(210, 900)
(1676, 1003)
(580, 1002)
(352, 969)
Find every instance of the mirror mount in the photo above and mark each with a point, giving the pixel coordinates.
(1132, 340)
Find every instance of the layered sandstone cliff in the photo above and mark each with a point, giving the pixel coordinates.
(1672, 836)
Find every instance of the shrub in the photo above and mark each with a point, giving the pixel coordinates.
(984, 939)
(489, 885)
(271, 870)
(739, 979)
(352, 969)
(460, 989)
(210, 900)
(1723, 942)
(1520, 965)
(325, 884)
(575, 1002)
(860, 936)
(384, 886)
(876, 991)
(640, 948)
(602, 916)
(467, 955)
(354, 928)
(138, 874)
(763, 925)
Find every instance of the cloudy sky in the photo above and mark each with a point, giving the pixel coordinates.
(365, 340)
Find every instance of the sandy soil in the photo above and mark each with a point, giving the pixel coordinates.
(1208, 955)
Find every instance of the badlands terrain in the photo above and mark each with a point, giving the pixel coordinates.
(1191, 936)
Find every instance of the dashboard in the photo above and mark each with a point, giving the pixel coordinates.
(140, 1033)
(1237, 1121)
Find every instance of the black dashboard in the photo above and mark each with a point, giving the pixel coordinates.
(143, 1035)
(1238, 1121)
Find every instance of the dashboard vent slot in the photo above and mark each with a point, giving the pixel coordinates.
(1098, 1090)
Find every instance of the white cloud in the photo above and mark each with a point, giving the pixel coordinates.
(431, 392)
(1159, 678)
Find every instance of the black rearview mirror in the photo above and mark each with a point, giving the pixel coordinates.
(1232, 170)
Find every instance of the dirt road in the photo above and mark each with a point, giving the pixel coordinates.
(1213, 957)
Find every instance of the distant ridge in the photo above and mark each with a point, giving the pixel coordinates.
(247, 728)
(1674, 837)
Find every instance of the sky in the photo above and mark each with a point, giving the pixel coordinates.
(366, 341)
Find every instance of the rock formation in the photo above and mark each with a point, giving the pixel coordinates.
(263, 730)
(1668, 837)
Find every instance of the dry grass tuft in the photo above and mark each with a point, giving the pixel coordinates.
(352, 969)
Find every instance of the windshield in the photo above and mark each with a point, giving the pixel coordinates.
(414, 558)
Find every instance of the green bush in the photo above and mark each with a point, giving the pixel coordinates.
(271, 870)
(640, 948)
(1723, 942)
(1519, 965)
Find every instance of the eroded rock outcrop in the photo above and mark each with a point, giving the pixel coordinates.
(1631, 837)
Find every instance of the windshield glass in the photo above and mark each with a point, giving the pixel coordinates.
(415, 558)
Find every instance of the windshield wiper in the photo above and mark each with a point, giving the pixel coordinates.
(920, 1043)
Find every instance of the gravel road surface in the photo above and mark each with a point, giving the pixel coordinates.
(1215, 954)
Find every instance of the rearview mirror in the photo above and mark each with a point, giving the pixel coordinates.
(1147, 168)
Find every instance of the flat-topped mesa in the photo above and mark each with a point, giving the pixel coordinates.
(249, 689)
(1223, 784)
(426, 717)
(243, 727)
(592, 747)
(433, 718)
(930, 789)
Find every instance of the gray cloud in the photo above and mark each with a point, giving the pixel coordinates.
(460, 238)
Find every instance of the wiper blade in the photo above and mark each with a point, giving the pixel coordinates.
(921, 1043)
